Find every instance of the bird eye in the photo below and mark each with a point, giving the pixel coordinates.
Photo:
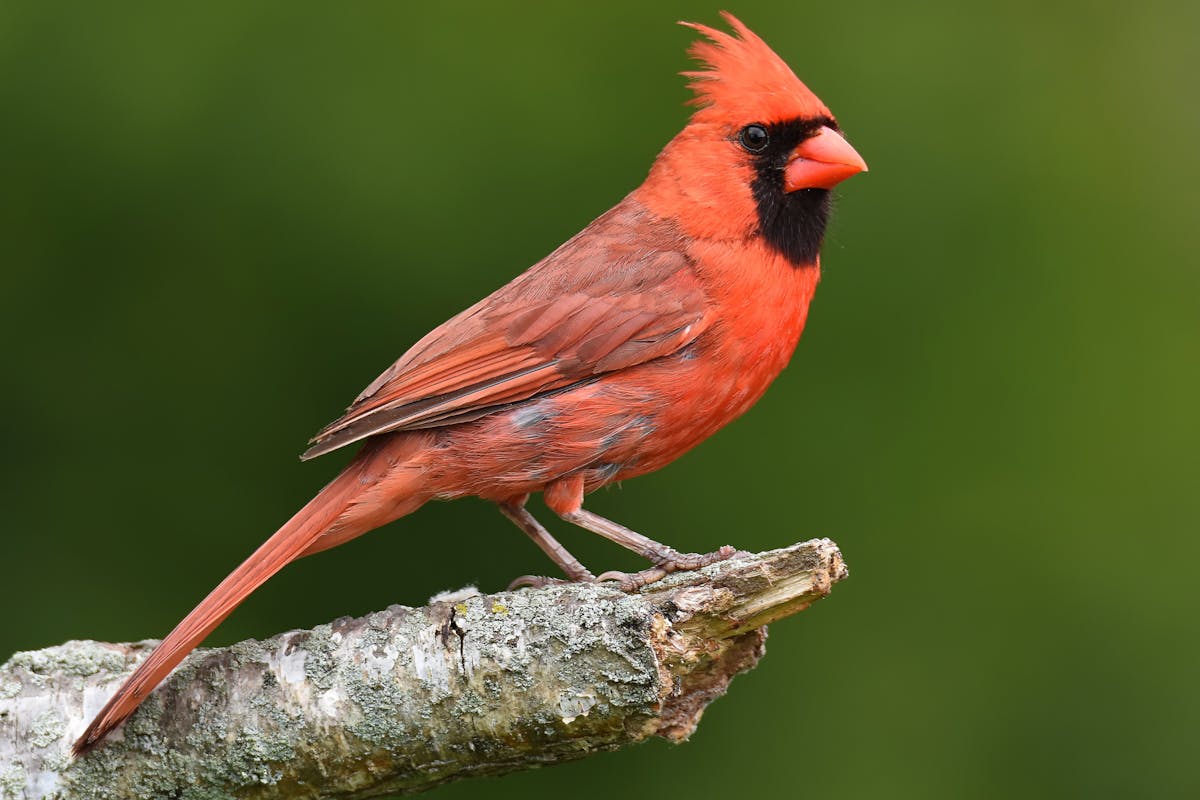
(754, 138)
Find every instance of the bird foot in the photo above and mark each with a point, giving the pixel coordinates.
(674, 561)
(688, 561)
(534, 582)
(632, 581)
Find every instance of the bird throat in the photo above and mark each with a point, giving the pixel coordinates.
(791, 223)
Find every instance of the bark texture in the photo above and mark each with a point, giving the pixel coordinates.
(407, 698)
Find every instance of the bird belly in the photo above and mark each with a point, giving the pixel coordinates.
(622, 425)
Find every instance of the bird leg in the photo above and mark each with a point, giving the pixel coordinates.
(626, 581)
(515, 510)
(565, 498)
(665, 559)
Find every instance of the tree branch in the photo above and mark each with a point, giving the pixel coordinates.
(407, 698)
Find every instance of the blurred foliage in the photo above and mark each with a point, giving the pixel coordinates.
(219, 222)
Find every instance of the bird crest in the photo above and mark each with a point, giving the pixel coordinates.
(744, 80)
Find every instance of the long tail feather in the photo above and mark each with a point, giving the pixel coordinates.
(297, 537)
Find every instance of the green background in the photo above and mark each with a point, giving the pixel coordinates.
(218, 223)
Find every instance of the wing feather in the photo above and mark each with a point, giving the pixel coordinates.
(616, 306)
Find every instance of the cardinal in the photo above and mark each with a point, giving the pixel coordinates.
(660, 322)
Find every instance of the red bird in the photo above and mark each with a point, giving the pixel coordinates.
(660, 322)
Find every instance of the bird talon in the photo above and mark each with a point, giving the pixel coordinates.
(690, 561)
(533, 582)
(611, 575)
(632, 581)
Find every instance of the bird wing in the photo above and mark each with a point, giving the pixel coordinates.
(600, 303)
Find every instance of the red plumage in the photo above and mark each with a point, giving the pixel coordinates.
(660, 322)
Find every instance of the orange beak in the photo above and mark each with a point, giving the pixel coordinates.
(822, 162)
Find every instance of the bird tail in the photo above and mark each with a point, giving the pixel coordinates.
(364, 496)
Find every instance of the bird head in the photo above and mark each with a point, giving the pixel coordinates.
(758, 156)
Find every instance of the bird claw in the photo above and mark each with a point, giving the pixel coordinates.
(689, 561)
(632, 581)
(534, 582)
(676, 562)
